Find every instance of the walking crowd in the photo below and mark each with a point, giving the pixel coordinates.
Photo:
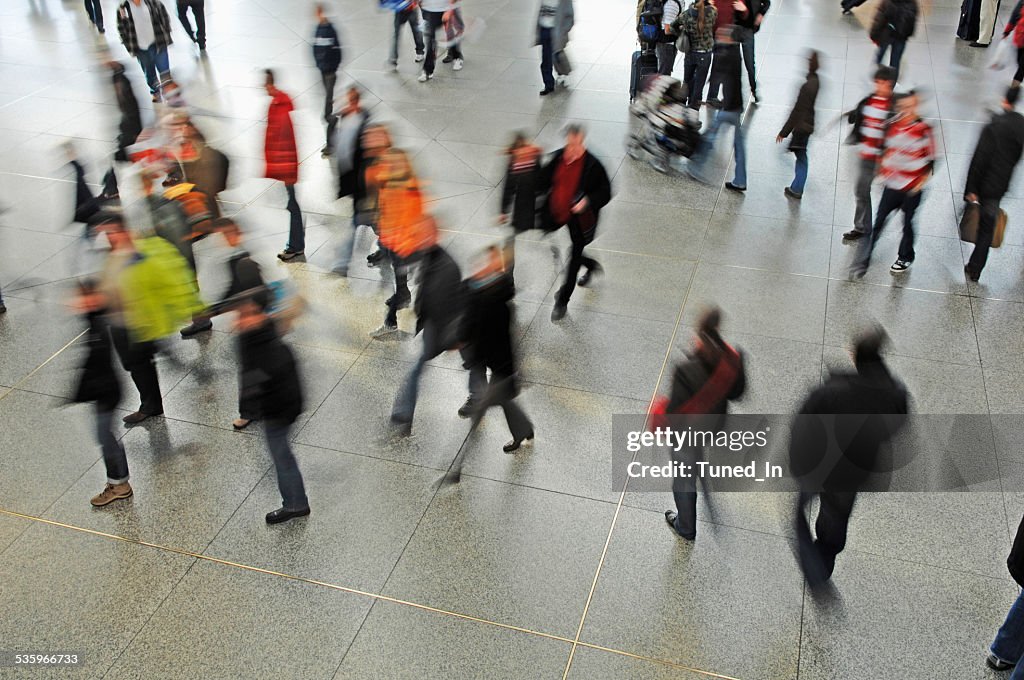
(145, 289)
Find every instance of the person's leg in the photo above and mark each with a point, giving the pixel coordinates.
(690, 61)
(1008, 645)
(329, 80)
(399, 19)
(160, 64)
(880, 52)
(706, 146)
(989, 212)
(296, 234)
(433, 21)
(747, 48)
(147, 60)
(1019, 75)
(684, 492)
(183, 18)
(199, 11)
(910, 204)
(800, 177)
(289, 478)
(114, 458)
(455, 51)
(666, 53)
(896, 54)
(417, 33)
(807, 554)
(830, 529)
(405, 402)
(575, 260)
(890, 201)
(715, 86)
(739, 149)
(345, 248)
(546, 59)
(862, 194)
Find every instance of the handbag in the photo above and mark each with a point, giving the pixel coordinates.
(683, 43)
(969, 225)
(562, 65)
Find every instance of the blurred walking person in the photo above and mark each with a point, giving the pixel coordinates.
(870, 118)
(98, 384)
(1007, 650)
(145, 31)
(406, 12)
(434, 13)
(519, 188)
(350, 158)
(554, 21)
(704, 384)
(727, 67)
(988, 178)
(327, 55)
(893, 26)
(577, 187)
(698, 24)
(486, 331)
(800, 124)
(871, 391)
(199, 14)
(666, 46)
(270, 378)
(1015, 31)
(94, 8)
(282, 162)
(129, 128)
(748, 19)
(907, 164)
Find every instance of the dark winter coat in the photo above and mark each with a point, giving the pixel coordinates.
(279, 147)
(128, 105)
(440, 298)
(1015, 562)
(519, 196)
(352, 182)
(269, 374)
(997, 154)
(245, 275)
(726, 66)
(170, 223)
(98, 382)
(872, 402)
(693, 374)
(326, 48)
(800, 123)
(594, 184)
(895, 20)
(755, 8)
(486, 326)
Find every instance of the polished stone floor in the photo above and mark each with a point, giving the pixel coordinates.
(534, 566)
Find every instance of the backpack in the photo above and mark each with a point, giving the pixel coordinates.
(196, 206)
(649, 27)
(904, 18)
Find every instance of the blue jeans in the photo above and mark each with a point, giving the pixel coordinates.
(405, 402)
(892, 200)
(296, 233)
(412, 17)
(800, 179)
(153, 61)
(289, 479)
(1009, 643)
(547, 52)
(732, 118)
(695, 74)
(114, 457)
(896, 48)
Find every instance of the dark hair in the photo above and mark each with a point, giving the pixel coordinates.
(867, 347)
(269, 76)
(700, 4)
(575, 129)
(887, 73)
(519, 139)
(1012, 94)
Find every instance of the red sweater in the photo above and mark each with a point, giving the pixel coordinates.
(564, 186)
(279, 148)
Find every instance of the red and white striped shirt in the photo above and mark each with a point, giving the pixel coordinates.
(909, 154)
(872, 127)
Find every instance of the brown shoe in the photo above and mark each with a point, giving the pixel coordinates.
(111, 493)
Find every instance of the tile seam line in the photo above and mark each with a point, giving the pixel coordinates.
(40, 366)
(354, 591)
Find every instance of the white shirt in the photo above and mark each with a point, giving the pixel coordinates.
(548, 10)
(143, 23)
(435, 5)
(670, 11)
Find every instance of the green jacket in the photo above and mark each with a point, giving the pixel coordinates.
(158, 290)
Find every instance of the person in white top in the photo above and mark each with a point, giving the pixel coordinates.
(666, 49)
(554, 21)
(145, 30)
(435, 12)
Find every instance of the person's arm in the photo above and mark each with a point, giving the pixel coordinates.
(979, 164)
(804, 101)
(599, 193)
(507, 191)
(1014, 18)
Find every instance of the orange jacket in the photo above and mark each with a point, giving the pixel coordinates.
(401, 215)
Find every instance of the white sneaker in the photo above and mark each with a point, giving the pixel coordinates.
(424, 76)
(420, 56)
(457, 65)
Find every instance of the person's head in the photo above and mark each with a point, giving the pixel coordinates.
(321, 12)
(376, 139)
(113, 226)
(906, 104)
(1011, 97)
(708, 343)
(352, 95)
(867, 347)
(885, 79)
(268, 81)
(813, 61)
(230, 230)
(251, 308)
(575, 141)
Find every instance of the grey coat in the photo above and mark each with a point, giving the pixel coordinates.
(563, 24)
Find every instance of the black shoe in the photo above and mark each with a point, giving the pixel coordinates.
(288, 254)
(714, 102)
(101, 30)
(139, 416)
(978, 44)
(754, 97)
(792, 194)
(546, 91)
(3, 308)
(399, 300)
(853, 235)
(587, 275)
(516, 443)
(971, 274)
(997, 664)
(448, 58)
(284, 514)
(466, 410)
(325, 152)
(670, 517)
(374, 258)
(195, 328)
(558, 313)
(847, 12)
(733, 187)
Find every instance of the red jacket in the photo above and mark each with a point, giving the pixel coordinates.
(279, 149)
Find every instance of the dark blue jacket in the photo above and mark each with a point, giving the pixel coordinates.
(326, 48)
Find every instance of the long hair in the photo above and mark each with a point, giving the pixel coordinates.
(700, 15)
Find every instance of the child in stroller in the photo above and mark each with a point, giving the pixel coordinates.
(668, 128)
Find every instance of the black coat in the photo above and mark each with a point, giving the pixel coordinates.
(269, 374)
(853, 398)
(131, 119)
(594, 184)
(755, 8)
(691, 375)
(486, 326)
(326, 48)
(997, 154)
(726, 66)
(895, 20)
(353, 182)
(801, 119)
(440, 298)
(519, 196)
(1015, 562)
(245, 275)
(98, 382)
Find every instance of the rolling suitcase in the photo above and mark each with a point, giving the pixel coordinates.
(645, 63)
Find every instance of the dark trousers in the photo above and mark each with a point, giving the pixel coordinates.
(547, 60)
(892, 200)
(198, 12)
(695, 74)
(95, 11)
(747, 50)
(329, 79)
(1019, 75)
(401, 270)
(818, 555)
(138, 359)
(411, 17)
(895, 48)
(684, 492)
(434, 21)
(666, 57)
(289, 478)
(296, 232)
(405, 403)
(576, 260)
(114, 458)
(989, 212)
(500, 391)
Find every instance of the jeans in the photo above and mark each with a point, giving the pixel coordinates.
(434, 21)
(747, 49)
(114, 457)
(1009, 643)
(405, 402)
(199, 36)
(95, 11)
(892, 200)
(345, 248)
(732, 118)
(153, 61)
(986, 228)
(289, 478)
(818, 555)
(862, 194)
(666, 57)
(547, 58)
(411, 17)
(896, 48)
(695, 74)
(328, 80)
(576, 260)
(800, 178)
(296, 232)
(138, 359)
